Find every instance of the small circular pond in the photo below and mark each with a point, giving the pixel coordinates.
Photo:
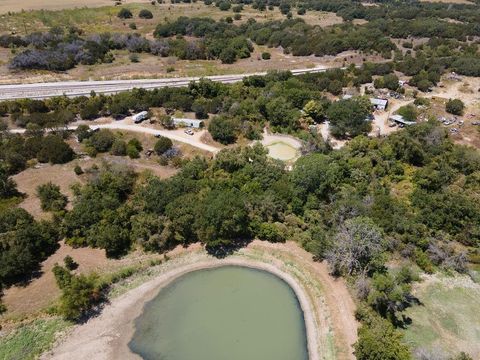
(225, 313)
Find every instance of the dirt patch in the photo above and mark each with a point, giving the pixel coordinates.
(61, 175)
(328, 307)
(42, 291)
(449, 1)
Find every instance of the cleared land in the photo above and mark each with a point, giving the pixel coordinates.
(447, 320)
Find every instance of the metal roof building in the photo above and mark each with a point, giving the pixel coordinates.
(380, 104)
(193, 123)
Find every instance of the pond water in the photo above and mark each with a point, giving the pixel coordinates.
(225, 313)
(282, 151)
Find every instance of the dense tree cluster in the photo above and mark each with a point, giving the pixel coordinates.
(24, 243)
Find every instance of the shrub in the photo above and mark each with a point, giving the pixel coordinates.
(162, 145)
(55, 150)
(132, 26)
(132, 152)
(77, 170)
(455, 106)
(136, 143)
(70, 264)
(134, 58)
(102, 140)
(224, 5)
(125, 14)
(237, 17)
(409, 112)
(145, 14)
(266, 56)
(119, 148)
(379, 340)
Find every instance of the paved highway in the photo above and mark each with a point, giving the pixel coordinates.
(79, 88)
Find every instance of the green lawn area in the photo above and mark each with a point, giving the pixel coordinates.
(30, 340)
(448, 318)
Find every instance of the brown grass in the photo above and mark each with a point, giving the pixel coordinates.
(449, 1)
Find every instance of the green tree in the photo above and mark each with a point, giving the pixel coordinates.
(145, 14)
(409, 112)
(348, 118)
(55, 150)
(80, 293)
(222, 218)
(380, 341)
(125, 14)
(455, 106)
(8, 187)
(223, 129)
(51, 198)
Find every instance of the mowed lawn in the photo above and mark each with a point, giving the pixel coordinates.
(449, 316)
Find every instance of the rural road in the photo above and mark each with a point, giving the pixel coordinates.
(79, 88)
(176, 135)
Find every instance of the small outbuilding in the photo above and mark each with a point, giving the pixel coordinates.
(399, 119)
(184, 122)
(379, 104)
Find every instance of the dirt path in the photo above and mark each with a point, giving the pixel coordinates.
(329, 314)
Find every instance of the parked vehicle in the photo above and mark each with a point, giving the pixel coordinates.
(138, 118)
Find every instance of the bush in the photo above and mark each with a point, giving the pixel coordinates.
(224, 5)
(132, 152)
(145, 14)
(55, 150)
(266, 56)
(119, 148)
(70, 264)
(80, 293)
(132, 26)
(162, 145)
(379, 340)
(409, 112)
(78, 170)
(455, 106)
(51, 198)
(135, 143)
(102, 140)
(134, 58)
(237, 17)
(125, 14)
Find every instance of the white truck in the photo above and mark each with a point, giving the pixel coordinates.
(138, 118)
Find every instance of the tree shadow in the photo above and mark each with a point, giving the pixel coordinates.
(223, 250)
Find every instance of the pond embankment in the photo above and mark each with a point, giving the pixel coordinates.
(326, 304)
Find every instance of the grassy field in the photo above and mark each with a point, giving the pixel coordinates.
(30, 340)
(447, 320)
(104, 18)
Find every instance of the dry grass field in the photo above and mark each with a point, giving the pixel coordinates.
(104, 19)
(447, 320)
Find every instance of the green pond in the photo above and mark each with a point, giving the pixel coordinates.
(225, 313)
